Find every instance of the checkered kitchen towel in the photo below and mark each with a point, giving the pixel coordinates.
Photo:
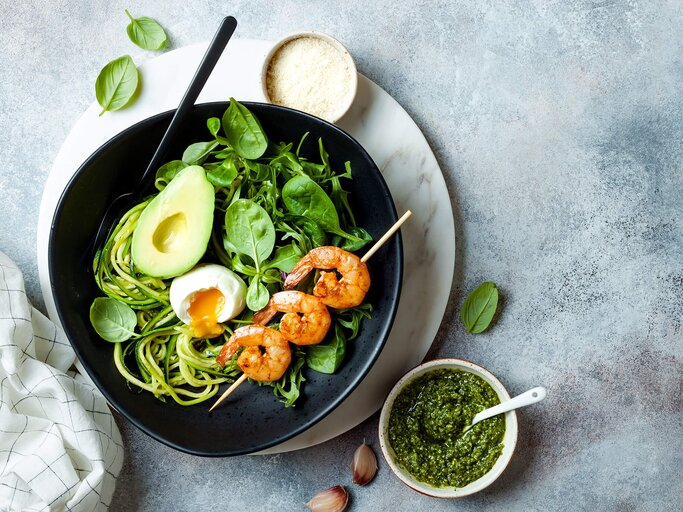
(59, 446)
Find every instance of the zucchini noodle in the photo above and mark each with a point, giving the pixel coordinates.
(163, 359)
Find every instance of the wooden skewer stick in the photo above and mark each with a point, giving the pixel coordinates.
(365, 258)
(228, 391)
(386, 236)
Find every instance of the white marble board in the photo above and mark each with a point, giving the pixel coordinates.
(393, 140)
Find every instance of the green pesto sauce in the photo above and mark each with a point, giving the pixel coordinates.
(426, 428)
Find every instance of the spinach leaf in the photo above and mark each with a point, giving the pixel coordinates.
(249, 230)
(243, 131)
(116, 84)
(167, 172)
(223, 174)
(303, 196)
(257, 295)
(113, 320)
(479, 307)
(352, 245)
(213, 124)
(196, 153)
(286, 257)
(328, 357)
(146, 32)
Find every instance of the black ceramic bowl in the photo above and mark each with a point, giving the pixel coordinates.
(251, 419)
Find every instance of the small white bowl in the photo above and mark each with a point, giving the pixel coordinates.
(343, 107)
(509, 439)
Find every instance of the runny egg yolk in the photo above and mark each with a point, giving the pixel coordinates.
(204, 308)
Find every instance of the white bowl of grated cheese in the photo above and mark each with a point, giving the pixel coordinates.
(311, 72)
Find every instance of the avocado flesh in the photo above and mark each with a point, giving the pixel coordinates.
(174, 229)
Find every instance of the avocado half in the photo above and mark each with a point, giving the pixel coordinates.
(175, 227)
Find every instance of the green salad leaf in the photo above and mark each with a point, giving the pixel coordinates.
(249, 230)
(113, 320)
(196, 153)
(479, 308)
(116, 84)
(243, 131)
(167, 172)
(146, 32)
(327, 357)
(303, 196)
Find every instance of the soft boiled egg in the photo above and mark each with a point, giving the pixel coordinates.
(207, 296)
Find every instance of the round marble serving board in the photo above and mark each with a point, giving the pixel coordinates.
(389, 135)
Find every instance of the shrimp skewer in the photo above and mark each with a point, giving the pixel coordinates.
(306, 319)
(264, 367)
(347, 287)
(347, 292)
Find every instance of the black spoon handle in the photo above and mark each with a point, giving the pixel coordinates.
(213, 53)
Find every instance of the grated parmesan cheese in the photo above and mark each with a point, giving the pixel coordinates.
(309, 74)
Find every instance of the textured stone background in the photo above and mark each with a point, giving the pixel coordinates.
(559, 127)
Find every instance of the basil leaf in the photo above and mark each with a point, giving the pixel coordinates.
(257, 295)
(286, 257)
(116, 84)
(303, 196)
(146, 33)
(113, 320)
(196, 153)
(327, 358)
(479, 307)
(167, 172)
(249, 230)
(222, 175)
(243, 131)
(213, 124)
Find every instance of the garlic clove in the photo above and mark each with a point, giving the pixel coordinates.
(364, 465)
(333, 499)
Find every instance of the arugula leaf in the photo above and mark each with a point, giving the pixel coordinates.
(288, 388)
(243, 131)
(146, 32)
(479, 307)
(116, 84)
(113, 320)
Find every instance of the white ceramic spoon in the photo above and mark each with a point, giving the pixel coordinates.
(527, 398)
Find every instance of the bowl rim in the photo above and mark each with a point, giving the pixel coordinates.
(509, 439)
(332, 404)
(344, 108)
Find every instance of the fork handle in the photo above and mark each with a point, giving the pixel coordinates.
(213, 53)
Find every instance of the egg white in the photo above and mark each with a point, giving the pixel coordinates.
(203, 277)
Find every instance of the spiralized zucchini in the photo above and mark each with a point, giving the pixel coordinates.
(165, 359)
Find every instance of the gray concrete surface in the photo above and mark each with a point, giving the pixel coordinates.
(559, 127)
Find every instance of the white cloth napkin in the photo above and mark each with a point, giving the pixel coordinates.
(59, 446)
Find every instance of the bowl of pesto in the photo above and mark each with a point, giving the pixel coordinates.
(424, 435)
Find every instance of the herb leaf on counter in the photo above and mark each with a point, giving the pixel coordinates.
(146, 33)
(479, 307)
(116, 84)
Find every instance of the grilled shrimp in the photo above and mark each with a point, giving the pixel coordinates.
(265, 366)
(347, 292)
(306, 320)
